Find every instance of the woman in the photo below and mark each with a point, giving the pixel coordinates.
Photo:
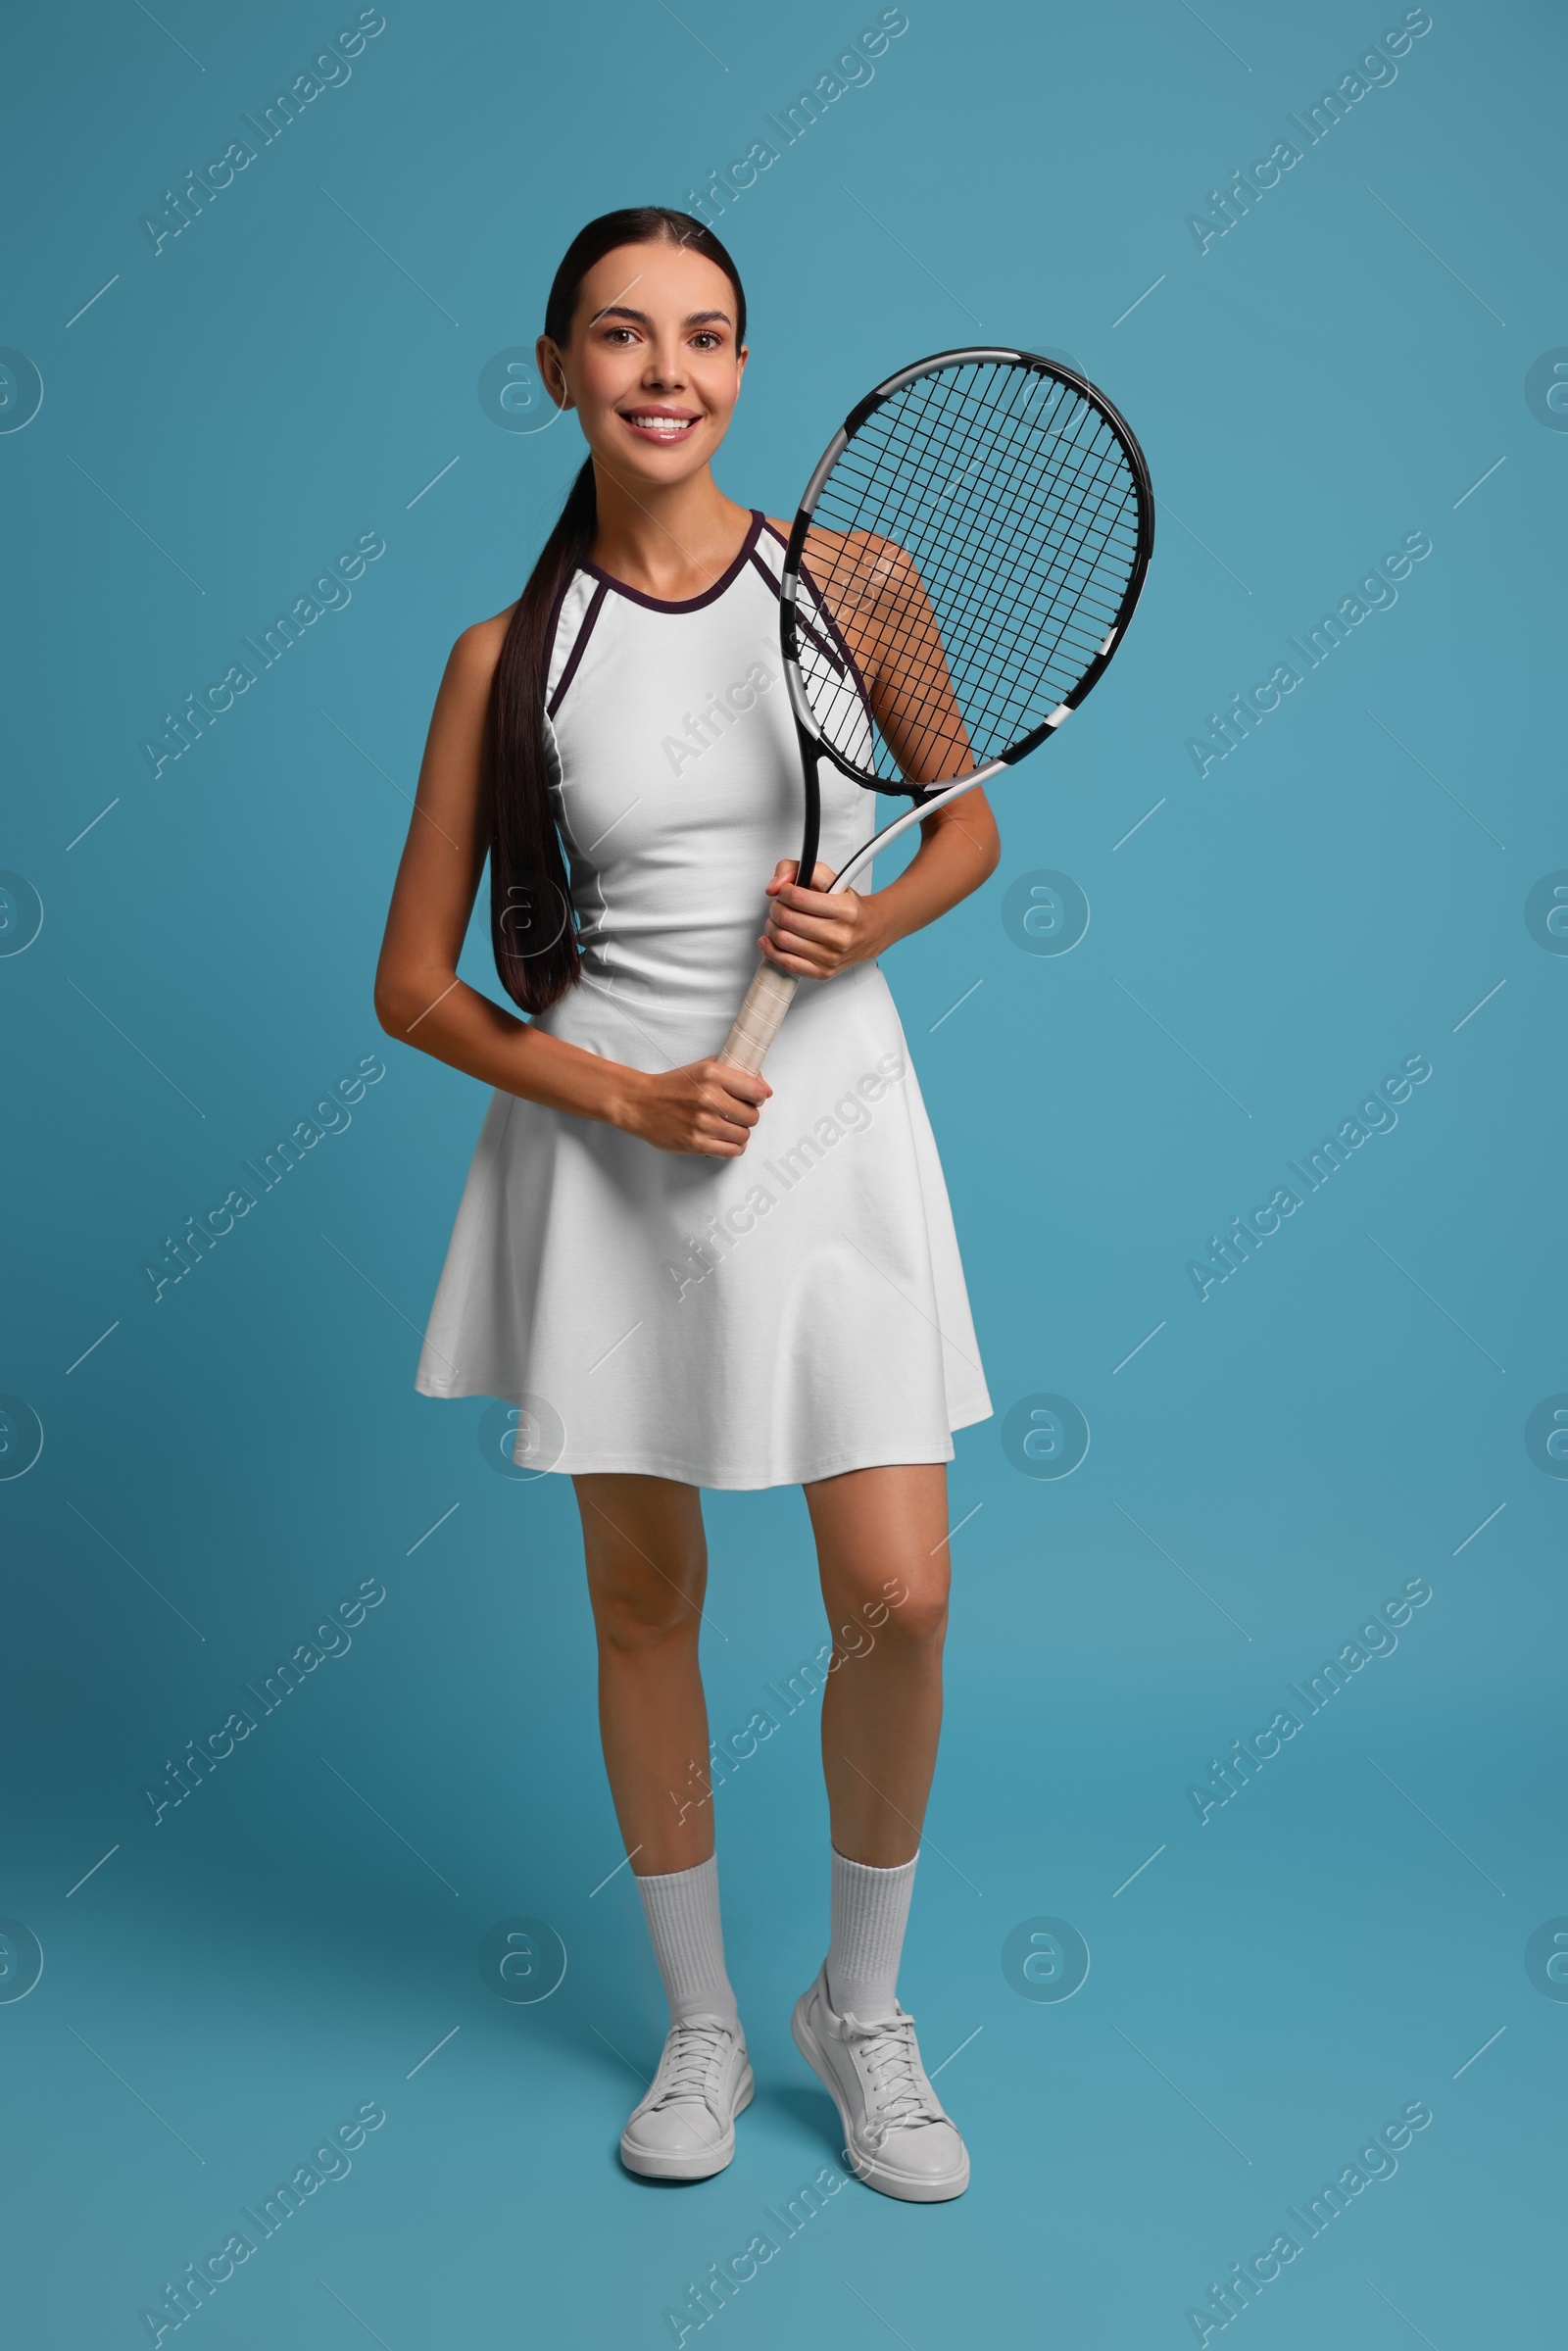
(666, 1318)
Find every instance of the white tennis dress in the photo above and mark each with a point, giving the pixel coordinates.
(762, 1321)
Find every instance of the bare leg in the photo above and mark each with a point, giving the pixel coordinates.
(881, 1533)
(881, 1541)
(646, 1563)
(646, 1571)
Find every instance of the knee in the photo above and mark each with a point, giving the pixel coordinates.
(921, 1620)
(633, 1618)
(915, 1621)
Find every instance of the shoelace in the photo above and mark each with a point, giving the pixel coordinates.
(904, 2099)
(695, 2052)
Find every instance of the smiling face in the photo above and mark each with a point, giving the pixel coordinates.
(651, 366)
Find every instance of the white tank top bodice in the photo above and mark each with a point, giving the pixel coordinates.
(676, 777)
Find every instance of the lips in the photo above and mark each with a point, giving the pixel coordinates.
(660, 425)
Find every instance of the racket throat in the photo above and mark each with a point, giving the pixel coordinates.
(812, 834)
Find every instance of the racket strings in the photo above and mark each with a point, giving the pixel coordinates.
(986, 522)
(1008, 468)
(983, 579)
(1081, 605)
(1063, 604)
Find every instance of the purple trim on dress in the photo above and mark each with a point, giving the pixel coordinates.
(829, 623)
(580, 646)
(801, 622)
(691, 604)
(812, 635)
(837, 635)
(554, 621)
(763, 568)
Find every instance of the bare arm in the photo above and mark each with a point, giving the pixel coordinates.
(705, 1107)
(888, 617)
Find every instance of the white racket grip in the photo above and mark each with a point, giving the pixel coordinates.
(756, 1023)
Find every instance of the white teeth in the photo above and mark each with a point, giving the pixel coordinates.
(671, 426)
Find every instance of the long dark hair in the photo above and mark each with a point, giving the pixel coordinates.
(531, 930)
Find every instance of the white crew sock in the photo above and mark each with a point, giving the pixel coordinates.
(869, 1910)
(681, 1908)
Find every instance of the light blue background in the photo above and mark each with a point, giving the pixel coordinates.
(1275, 1462)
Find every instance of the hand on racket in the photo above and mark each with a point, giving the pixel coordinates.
(963, 565)
(815, 932)
(707, 1106)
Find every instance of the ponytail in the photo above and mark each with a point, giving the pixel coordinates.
(537, 957)
(532, 927)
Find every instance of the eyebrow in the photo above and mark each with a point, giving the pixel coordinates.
(620, 309)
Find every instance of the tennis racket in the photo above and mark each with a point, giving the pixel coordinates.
(963, 565)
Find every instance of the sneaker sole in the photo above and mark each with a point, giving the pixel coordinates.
(866, 2169)
(702, 2165)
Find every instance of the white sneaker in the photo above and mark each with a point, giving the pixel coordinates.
(684, 2128)
(897, 2137)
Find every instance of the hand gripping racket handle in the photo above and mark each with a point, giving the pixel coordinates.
(756, 1023)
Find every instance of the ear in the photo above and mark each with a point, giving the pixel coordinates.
(551, 374)
(740, 358)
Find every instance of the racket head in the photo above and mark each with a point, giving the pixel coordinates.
(963, 565)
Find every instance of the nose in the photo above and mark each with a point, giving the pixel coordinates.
(663, 371)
